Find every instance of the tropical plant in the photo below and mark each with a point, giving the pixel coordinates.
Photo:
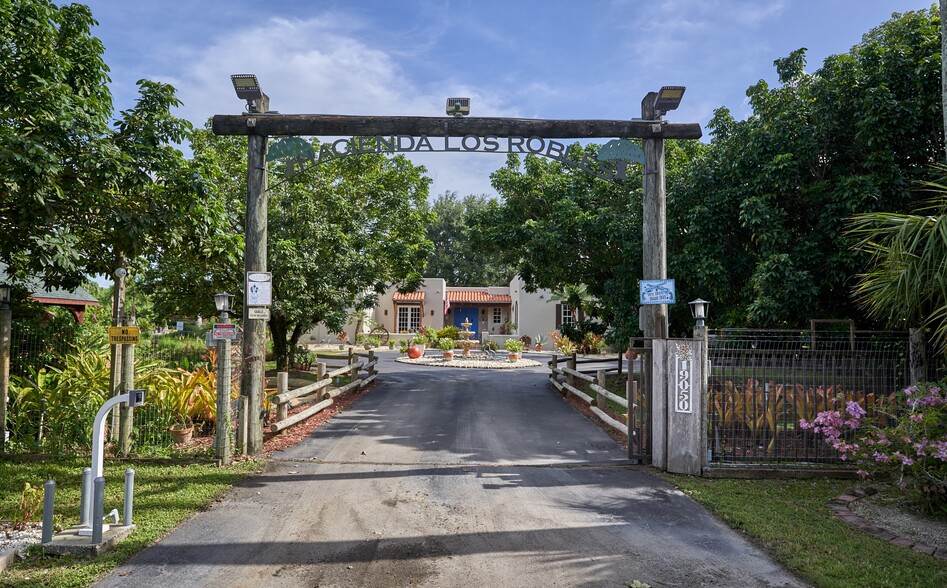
(449, 331)
(403, 345)
(445, 344)
(906, 280)
(513, 345)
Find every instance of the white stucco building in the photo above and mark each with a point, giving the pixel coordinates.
(489, 309)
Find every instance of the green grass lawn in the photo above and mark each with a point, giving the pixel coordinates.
(165, 495)
(791, 520)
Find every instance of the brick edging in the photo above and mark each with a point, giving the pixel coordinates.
(841, 507)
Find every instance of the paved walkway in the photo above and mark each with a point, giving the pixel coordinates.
(451, 477)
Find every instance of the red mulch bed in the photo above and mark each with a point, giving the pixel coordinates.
(293, 435)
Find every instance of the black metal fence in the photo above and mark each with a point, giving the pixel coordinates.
(763, 382)
(35, 356)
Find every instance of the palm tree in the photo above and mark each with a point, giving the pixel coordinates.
(906, 278)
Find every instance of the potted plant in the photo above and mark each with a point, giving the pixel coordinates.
(514, 348)
(343, 337)
(181, 429)
(527, 341)
(538, 342)
(391, 344)
(447, 346)
(403, 345)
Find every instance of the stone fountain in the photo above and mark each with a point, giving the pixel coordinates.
(466, 343)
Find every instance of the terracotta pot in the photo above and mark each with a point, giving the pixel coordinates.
(181, 436)
(448, 355)
(414, 352)
(513, 356)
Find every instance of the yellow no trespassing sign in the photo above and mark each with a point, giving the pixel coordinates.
(124, 335)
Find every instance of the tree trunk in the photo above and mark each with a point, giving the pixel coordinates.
(278, 327)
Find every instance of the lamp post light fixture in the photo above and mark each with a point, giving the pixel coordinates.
(668, 98)
(699, 310)
(248, 88)
(223, 301)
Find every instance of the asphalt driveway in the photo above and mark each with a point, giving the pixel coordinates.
(451, 477)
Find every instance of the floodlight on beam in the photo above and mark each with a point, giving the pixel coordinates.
(669, 98)
(248, 88)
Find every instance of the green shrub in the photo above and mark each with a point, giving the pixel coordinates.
(449, 332)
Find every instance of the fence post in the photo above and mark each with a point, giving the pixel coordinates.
(599, 398)
(371, 358)
(282, 385)
(126, 413)
(321, 375)
(244, 404)
(570, 379)
(353, 373)
(917, 355)
(620, 362)
(98, 508)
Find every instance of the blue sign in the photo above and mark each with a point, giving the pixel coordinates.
(657, 292)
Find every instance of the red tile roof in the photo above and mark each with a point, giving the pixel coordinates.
(408, 297)
(478, 298)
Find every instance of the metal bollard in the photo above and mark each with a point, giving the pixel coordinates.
(98, 508)
(85, 502)
(129, 496)
(49, 503)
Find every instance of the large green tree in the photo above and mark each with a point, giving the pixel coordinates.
(339, 234)
(757, 226)
(456, 256)
(561, 227)
(54, 108)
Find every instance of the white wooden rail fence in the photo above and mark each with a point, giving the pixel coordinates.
(319, 391)
(597, 384)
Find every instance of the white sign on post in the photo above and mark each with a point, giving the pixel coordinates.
(657, 292)
(259, 313)
(259, 289)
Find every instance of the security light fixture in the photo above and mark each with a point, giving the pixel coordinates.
(669, 98)
(248, 88)
(458, 106)
(699, 310)
(5, 293)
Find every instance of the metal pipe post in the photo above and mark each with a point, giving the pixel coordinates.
(85, 502)
(129, 497)
(98, 509)
(49, 503)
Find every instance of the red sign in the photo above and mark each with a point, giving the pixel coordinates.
(224, 331)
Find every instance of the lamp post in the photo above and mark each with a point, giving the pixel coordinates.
(223, 301)
(254, 260)
(6, 319)
(699, 311)
(653, 319)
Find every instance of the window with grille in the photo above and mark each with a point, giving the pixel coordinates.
(568, 317)
(409, 318)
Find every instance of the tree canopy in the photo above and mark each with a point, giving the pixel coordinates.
(339, 234)
(456, 256)
(758, 222)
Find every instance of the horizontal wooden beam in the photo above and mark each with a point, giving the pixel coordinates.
(334, 125)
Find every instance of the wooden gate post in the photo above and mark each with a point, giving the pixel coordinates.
(282, 385)
(321, 375)
(570, 379)
(599, 398)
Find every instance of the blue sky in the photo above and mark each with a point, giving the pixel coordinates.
(519, 58)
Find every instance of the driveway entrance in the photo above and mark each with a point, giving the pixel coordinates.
(452, 477)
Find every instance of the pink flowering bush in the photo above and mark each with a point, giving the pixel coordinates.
(910, 450)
